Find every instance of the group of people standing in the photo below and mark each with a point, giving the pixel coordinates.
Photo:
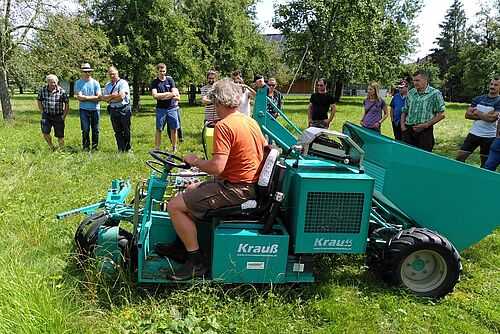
(414, 112)
(247, 94)
(53, 103)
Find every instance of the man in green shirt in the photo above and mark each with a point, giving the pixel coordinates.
(424, 107)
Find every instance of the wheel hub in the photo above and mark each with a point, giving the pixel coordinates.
(423, 270)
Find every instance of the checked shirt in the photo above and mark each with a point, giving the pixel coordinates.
(421, 108)
(53, 102)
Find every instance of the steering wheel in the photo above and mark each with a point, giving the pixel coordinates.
(168, 159)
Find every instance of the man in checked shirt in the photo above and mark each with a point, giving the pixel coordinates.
(424, 107)
(53, 102)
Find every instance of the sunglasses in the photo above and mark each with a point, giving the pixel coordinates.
(271, 85)
(319, 85)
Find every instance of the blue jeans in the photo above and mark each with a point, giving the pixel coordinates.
(120, 119)
(494, 156)
(89, 119)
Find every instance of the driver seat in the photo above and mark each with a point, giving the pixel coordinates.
(264, 208)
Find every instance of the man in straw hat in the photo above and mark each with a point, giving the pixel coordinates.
(88, 92)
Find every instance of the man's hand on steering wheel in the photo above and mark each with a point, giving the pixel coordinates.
(191, 158)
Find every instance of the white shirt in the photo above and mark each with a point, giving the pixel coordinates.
(245, 103)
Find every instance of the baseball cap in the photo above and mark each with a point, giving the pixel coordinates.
(403, 83)
(257, 77)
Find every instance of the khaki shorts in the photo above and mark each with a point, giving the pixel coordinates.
(215, 193)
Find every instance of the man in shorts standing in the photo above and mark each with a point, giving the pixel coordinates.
(236, 162)
(167, 111)
(484, 111)
(53, 102)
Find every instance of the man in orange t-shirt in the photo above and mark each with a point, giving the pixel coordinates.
(236, 162)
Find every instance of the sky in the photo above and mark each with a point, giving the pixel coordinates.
(430, 17)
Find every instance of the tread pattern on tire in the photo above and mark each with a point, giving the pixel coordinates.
(408, 241)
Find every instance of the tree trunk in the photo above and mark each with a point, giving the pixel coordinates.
(143, 89)
(135, 88)
(339, 85)
(21, 91)
(192, 94)
(5, 95)
(71, 88)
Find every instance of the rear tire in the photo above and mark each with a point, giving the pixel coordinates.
(422, 261)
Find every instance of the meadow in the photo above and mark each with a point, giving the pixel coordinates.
(43, 291)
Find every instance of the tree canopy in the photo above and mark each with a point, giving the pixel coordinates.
(468, 56)
(348, 41)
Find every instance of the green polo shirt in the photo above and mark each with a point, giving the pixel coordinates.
(421, 108)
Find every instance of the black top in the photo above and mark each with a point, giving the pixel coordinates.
(320, 105)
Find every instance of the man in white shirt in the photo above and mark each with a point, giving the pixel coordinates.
(484, 111)
(247, 93)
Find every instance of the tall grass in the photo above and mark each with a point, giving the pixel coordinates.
(42, 291)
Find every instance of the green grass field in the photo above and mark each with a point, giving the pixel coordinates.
(42, 291)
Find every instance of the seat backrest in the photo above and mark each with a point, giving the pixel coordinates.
(267, 172)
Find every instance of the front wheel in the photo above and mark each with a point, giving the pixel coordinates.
(422, 261)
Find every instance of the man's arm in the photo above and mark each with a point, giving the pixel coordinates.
(333, 110)
(391, 112)
(491, 117)
(90, 98)
(213, 166)
(206, 101)
(166, 95)
(470, 114)
(251, 92)
(65, 111)
(40, 105)
(113, 97)
(95, 98)
(422, 126)
(403, 121)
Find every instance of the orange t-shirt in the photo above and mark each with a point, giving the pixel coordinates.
(239, 137)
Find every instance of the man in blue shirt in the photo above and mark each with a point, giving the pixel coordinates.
(397, 104)
(117, 94)
(88, 92)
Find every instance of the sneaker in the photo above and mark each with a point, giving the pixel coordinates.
(181, 140)
(188, 271)
(175, 251)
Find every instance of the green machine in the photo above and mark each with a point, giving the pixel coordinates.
(320, 192)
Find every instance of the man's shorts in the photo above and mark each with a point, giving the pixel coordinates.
(472, 142)
(167, 116)
(318, 123)
(49, 121)
(215, 193)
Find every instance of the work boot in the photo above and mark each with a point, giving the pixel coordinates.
(194, 268)
(175, 251)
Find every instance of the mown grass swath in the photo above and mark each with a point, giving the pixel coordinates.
(43, 291)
